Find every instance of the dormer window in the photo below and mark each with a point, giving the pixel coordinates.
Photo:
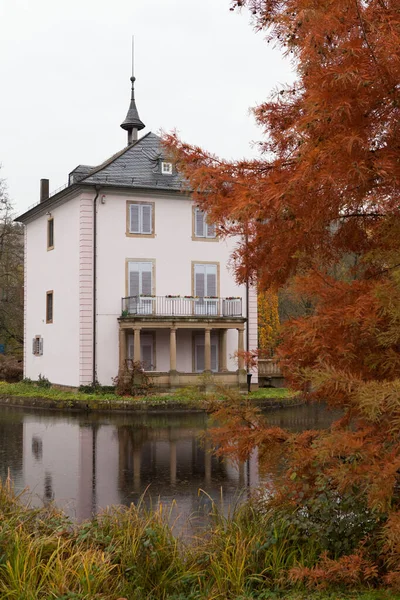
(166, 168)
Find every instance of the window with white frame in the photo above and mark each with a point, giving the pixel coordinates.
(166, 168)
(203, 229)
(205, 280)
(140, 278)
(140, 287)
(141, 217)
(206, 288)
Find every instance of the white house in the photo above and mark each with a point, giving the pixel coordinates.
(120, 264)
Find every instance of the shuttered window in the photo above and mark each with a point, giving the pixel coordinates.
(199, 356)
(146, 350)
(141, 218)
(140, 286)
(37, 346)
(205, 280)
(205, 287)
(199, 353)
(203, 229)
(140, 278)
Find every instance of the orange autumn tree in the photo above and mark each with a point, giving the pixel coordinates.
(268, 322)
(320, 208)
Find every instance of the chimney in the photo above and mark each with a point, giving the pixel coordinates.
(44, 189)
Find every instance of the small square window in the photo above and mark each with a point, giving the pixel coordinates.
(49, 307)
(166, 168)
(50, 234)
(37, 345)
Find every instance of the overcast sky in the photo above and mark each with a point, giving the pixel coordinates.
(65, 89)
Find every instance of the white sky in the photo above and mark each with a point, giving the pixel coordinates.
(65, 89)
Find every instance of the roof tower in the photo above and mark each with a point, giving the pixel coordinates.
(132, 123)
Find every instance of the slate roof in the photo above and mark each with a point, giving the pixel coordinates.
(137, 165)
(79, 173)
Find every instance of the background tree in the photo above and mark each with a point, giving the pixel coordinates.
(11, 275)
(321, 211)
(268, 322)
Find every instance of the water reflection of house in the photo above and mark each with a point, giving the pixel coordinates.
(86, 463)
(175, 464)
(118, 463)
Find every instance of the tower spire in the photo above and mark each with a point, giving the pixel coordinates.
(132, 123)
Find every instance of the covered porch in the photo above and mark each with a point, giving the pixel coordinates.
(176, 351)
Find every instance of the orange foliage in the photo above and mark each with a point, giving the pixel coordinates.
(268, 321)
(320, 207)
(351, 570)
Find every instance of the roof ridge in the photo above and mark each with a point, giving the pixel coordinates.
(114, 157)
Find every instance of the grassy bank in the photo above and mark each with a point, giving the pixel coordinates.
(188, 398)
(133, 554)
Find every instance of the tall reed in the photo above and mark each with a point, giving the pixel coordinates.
(133, 553)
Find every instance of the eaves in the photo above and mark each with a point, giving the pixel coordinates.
(77, 188)
(50, 203)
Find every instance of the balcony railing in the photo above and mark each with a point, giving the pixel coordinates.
(178, 306)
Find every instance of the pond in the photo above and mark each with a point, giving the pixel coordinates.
(85, 462)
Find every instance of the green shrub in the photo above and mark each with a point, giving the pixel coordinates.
(96, 388)
(338, 524)
(43, 382)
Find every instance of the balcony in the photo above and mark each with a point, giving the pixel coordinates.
(181, 306)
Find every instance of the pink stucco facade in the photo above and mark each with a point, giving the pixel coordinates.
(67, 271)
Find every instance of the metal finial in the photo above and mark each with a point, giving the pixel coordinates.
(133, 57)
(132, 123)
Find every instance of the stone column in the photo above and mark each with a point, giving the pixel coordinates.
(241, 349)
(224, 333)
(172, 349)
(207, 349)
(136, 344)
(122, 350)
